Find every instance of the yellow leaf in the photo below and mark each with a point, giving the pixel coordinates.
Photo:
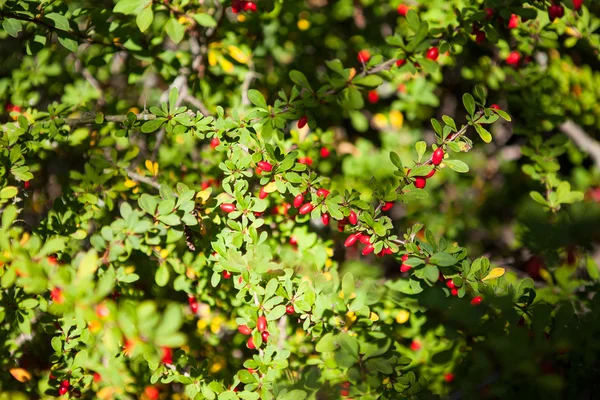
(402, 316)
(20, 374)
(380, 121)
(396, 119)
(303, 24)
(129, 183)
(226, 65)
(204, 195)
(270, 187)
(212, 58)
(152, 167)
(237, 54)
(373, 316)
(495, 273)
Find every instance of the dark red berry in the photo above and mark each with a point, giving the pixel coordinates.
(298, 200)
(420, 182)
(302, 122)
(265, 336)
(325, 219)
(368, 249)
(353, 218)
(400, 62)
(244, 330)
(480, 37)
(351, 240)
(289, 309)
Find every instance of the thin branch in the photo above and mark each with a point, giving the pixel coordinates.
(75, 35)
(91, 118)
(582, 140)
(246, 84)
(144, 179)
(188, 98)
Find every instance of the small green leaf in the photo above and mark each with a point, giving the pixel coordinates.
(257, 98)
(299, 79)
(144, 19)
(152, 125)
(205, 20)
(469, 103)
(483, 133)
(421, 147)
(395, 158)
(12, 26)
(370, 81)
(538, 198)
(443, 259)
(8, 192)
(457, 166)
(175, 30)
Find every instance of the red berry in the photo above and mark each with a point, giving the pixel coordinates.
(513, 22)
(429, 175)
(325, 152)
(226, 274)
(250, 6)
(450, 284)
(420, 182)
(52, 260)
(480, 37)
(265, 166)
(27, 184)
(351, 240)
(438, 156)
(363, 56)
(57, 296)
(404, 257)
(353, 218)
(495, 106)
(555, 11)
(215, 142)
(405, 268)
(449, 377)
(228, 207)
(305, 209)
(365, 239)
(577, 4)
(322, 192)
(305, 160)
(454, 292)
(293, 241)
(244, 330)
(513, 58)
(63, 390)
(433, 53)
(65, 383)
(298, 200)
(250, 343)
(368, 249)
(387, 206)
(373, 97)
(289, 309)
(265, 336)
(262, 194)
(167, 355)
(97, 377)
(302, 122)
(489, 12)
(325, 219)
(476, 300)
(415, 345)
(400, 62)
(403, 9)
(261, 323)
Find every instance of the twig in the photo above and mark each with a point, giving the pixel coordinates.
(137, 177)
(91, 80)
(188, 98)
(90, 119)
(246, 84)
(582, 140)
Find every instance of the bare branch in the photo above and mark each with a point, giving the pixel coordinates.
(582, 140)
(246, 84)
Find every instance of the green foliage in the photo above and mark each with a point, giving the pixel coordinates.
(174, 173)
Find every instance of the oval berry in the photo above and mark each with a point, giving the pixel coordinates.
(228, 207)
(353, 218)
(373, 96)
(325, 152)
(364, 56)
(244, 330)
(265, 336)
(322, 192)
(420, 182)
(400, 62)
(450, 284)
(305, 209)
(302, 122)
(476, 300)
(298, 200)
(387, 206)
(405, 268)
(265, 166)
(325, 219)
(215, 142)
(438, 156)
(63, 390)
(403, 9)
(368, 249)
(350, 240)
(250, 343)
(226, 274)
(433, 53)
(365, 239)
(262, 194)
(289, 309)
(261, 323)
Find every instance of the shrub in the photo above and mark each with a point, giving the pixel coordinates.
(299, 199)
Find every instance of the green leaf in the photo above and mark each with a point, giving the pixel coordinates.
(348, 285)
(130, 6)
(349, 344)
(147, 203)
(173, 95)
(469, 103)
(153, 124)
(8, 192)
(257, 99)
(276, 313)
(370, 81)
(8, 216)
(395, 158)
(144, 19)
(12, 26)
(60, 21)
(51, 246)
(162, 275)
(355, 99)
(295, 394)
(431, 273)
(443, 259)
(449, 121)
(205, 20)
(538, 198)
(457, 166)
(503, 114)
(299, 79)
(326, 344)
(88, 266)
(413, 20)
(175, 30)
(483, 133)
(67, 42)
(421, 147)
